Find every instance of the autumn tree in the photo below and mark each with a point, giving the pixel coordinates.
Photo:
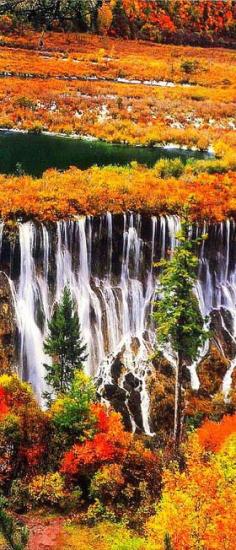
(197, 508)
(104, 18)
(64, 345)
(178, 318)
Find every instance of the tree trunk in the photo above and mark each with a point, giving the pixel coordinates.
(178, 403)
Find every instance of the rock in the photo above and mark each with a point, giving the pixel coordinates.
(117, 398)
(222, 327)
(116, 368)
(211, 371)
(134, 404)
(135, 345)
(8, 327)
(131, 382)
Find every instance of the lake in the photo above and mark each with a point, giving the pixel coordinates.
(36, 153)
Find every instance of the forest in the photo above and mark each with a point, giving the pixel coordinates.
(117, 275)
(202, 22)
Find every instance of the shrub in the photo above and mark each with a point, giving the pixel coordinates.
(107, 483)
(212, 435)
(15, 534)
(19, 496)
(188, 66)
(108, 445)
(49, 490)
(6, 23)
(98, 512)
(23, 430)
(25, 103)
(71, 413)
(226, 459)
(165, 168)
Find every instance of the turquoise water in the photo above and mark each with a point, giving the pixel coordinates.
(34, 154)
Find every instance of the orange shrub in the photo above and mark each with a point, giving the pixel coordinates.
(212, 435)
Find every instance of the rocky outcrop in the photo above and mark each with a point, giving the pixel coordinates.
(8, 328)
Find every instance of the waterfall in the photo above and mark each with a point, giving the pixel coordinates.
(27, 296)
(108, 264)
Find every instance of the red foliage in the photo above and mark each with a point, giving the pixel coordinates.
(32, 455)
(109, 444)
(3, 405)
(212, 435)
(101, 416)
(92, 453)
(184, 16)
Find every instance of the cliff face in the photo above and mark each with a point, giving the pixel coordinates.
(108, 263)
(8, 327)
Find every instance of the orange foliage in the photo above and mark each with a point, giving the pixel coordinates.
(97, 190)
(198, 505)
(207, 19)
(58, 98)
(212, 435)
(24, 446)
(108, 445)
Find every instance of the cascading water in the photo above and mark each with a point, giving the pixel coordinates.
(108, 264)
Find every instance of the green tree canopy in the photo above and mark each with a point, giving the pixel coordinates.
(71, 413)
(64, 345)
(178, 318)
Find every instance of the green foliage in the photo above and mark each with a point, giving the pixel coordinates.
(210, 166)
(129, 543)
(178, 318)
(15, 534)
(10, 429)
(99, 512)
(226, 459)
(19, 496)
(67, 14)
(179, 321)
(188, 66)
(71, 413)
(25, 103)
(64, 344)
(166, 168)
(47, 490)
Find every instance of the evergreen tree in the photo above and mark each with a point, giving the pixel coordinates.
(64, 345)
(120, 20)
(178, 318)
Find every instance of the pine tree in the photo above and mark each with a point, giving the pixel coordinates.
(178, 318)
(64, 345)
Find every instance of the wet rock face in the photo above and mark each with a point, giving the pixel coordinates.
(222, 326)
(123, 391)
(8, 328)
(208, 400)
(211, 371)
